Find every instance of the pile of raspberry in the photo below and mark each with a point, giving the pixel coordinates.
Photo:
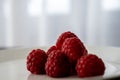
(67, 57)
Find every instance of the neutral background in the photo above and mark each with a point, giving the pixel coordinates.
(40, 22)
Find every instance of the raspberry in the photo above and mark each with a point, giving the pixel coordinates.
(62, 38)
(57, 64)
(51, 49)
(90, 65)
(74, 49)
(36, 61)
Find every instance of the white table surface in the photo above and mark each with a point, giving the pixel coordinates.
(13, 64)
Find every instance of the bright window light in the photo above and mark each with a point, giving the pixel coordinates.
(35, 7)
(58, 6)
(9, 27)
(111, 4)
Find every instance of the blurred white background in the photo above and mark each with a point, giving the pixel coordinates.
(40, 22)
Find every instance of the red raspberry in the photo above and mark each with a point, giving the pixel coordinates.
(36, 61)
(51, 49)
(62, 38)
(90, 65)
(57, 64)
(74, 49)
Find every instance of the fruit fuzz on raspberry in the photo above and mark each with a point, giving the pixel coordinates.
(57, 64)
(51, 49)
(62, 38)
(73, 48)
(36, 61)
(90, 65)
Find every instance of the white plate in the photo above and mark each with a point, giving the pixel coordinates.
(13, 64)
